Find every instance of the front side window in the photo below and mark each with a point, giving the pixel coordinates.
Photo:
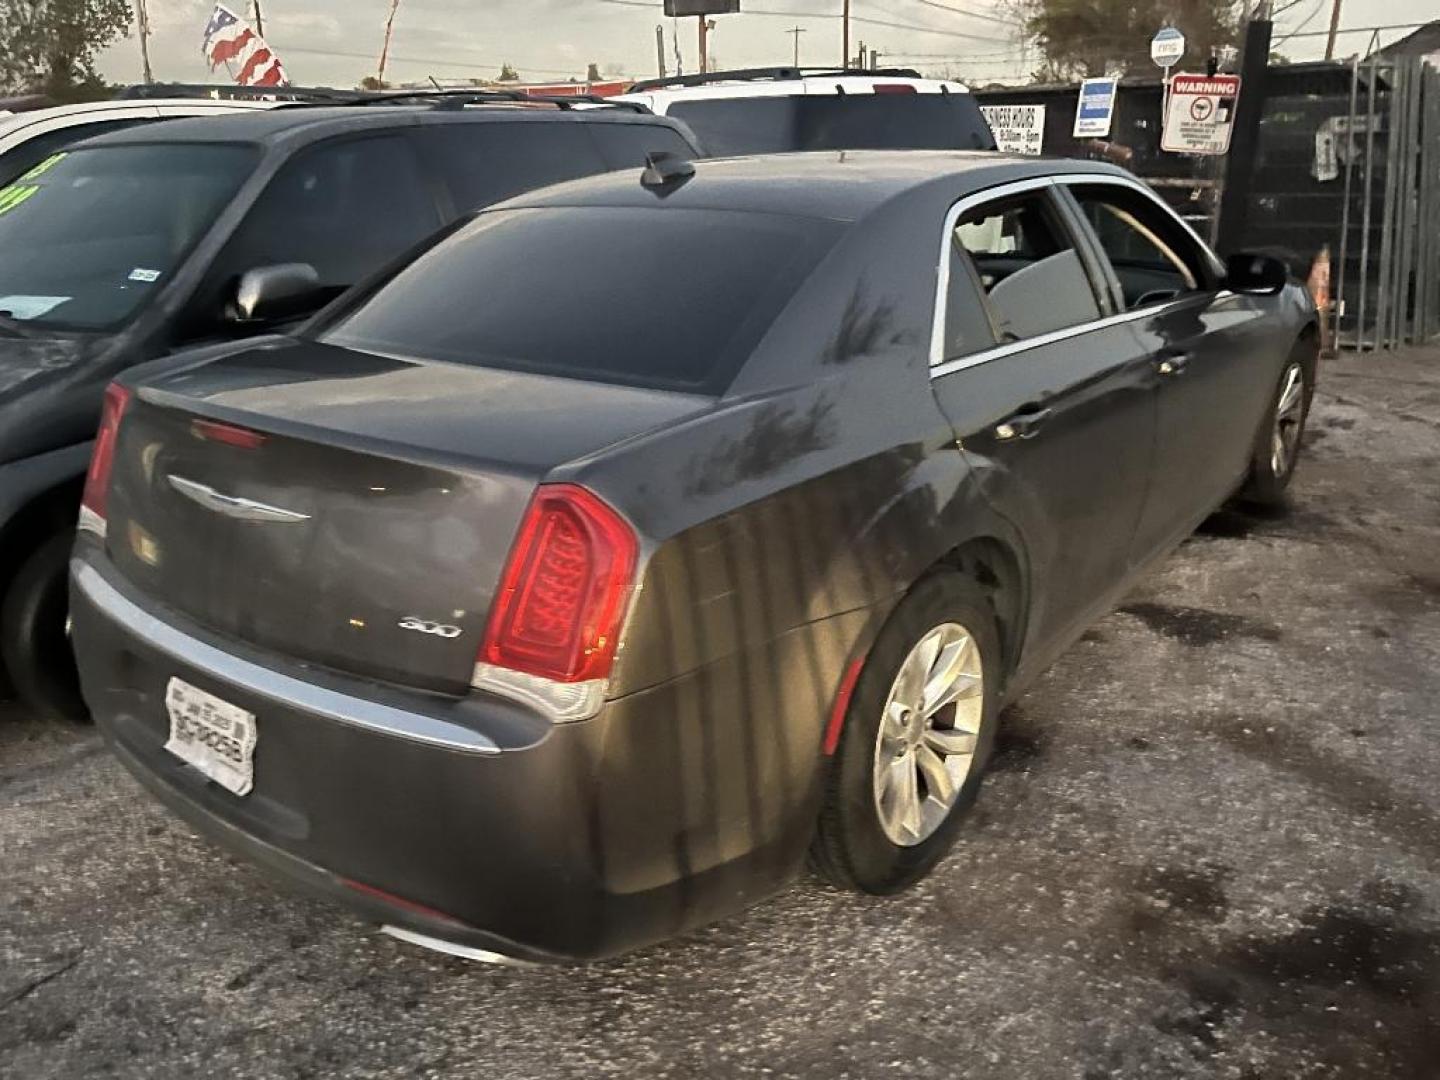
(1153, 260)
(87, 236)
(346, 208)
(608, 294)
(1033, 277)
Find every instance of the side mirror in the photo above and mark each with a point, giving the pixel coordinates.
(272, 293)
(1256, 275)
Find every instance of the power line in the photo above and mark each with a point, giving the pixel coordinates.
(784, 13)
(1319, 7)
(430, 61)
(968, 13)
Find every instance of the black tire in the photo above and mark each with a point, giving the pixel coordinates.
(33, 639)
(1268, 485)
(851, 848)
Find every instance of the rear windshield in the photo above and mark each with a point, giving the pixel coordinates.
(87, 236)
(886, 121)
(666, 299)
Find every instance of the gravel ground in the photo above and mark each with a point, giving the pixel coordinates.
(1210, 848)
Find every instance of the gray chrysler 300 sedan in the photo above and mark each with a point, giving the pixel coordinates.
(561, 590)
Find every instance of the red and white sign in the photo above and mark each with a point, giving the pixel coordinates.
(1200, 114)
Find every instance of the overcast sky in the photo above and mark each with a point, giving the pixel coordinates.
(336, 42)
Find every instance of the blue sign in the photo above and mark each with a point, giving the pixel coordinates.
(1096, 109)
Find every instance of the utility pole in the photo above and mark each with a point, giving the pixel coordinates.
(259, 22)
(704, 44)
(1334, 29)
(845, 38)
(660, 48)
(1245, 141)
(142, 19)
(385, 48)
(795, 32)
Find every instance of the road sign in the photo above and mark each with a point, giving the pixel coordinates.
(1200, 114)
(1019, 129)
(1096, 109)
(1167, 46)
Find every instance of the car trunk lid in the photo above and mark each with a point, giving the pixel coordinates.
(345, 509)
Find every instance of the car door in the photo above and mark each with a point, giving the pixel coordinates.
(1206, 348)
(1049, 393)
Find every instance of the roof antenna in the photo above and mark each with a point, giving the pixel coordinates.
(663, 168)
(434, 82)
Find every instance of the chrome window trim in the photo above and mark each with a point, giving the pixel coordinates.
(939, 366)
(293, 693)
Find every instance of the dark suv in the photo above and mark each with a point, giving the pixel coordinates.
(139, 243)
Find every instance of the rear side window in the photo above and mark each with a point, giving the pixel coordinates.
(1034, 279)
(346, 208)
(644, 297)
(487, 163)
(886, 121)
(626, 145)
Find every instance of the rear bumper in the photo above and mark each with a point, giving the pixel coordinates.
(475, 821)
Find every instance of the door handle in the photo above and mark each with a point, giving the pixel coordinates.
(1172, 363)
(1023, 425)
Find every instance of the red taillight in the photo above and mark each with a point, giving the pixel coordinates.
(229, 434)
(893, 88)
(97, 480)
(561, 601)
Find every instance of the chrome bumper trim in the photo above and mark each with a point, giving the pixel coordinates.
(450, 948)
(293, 693)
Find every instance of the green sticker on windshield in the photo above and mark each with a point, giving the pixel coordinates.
(13, 196)
(44, 167)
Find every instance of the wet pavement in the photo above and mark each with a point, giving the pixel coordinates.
(1210, 847)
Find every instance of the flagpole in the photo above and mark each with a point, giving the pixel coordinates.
(142, 18)
(385, 48)
(259, 22)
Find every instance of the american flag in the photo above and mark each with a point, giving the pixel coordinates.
(230, 41)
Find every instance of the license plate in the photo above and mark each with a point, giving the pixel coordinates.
(212, 735)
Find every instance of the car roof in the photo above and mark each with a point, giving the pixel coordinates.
(660, 97)
(147, 107)
(844, 185)
(310, 122)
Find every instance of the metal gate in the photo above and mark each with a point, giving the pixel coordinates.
(1388, 278)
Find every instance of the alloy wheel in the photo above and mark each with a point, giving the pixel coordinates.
(1289, 420)
(928, 732)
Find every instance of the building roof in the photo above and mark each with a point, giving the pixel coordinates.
(1421, 42)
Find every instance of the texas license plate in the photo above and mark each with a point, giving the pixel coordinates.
(212, 735)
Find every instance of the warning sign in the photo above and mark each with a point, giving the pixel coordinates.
(1200, 114)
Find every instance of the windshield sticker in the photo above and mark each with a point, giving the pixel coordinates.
(13, 196)
(44, 166)
(141, 274)
(29, 307)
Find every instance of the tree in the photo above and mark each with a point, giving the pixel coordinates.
(1082, 38)
(508, 74)
(370, 82)
(50, 46)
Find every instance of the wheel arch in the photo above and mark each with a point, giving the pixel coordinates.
(1000, 569)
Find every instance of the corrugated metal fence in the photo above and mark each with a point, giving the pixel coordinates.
(1349, 160)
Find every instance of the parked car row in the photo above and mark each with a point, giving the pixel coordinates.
(586, 563)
